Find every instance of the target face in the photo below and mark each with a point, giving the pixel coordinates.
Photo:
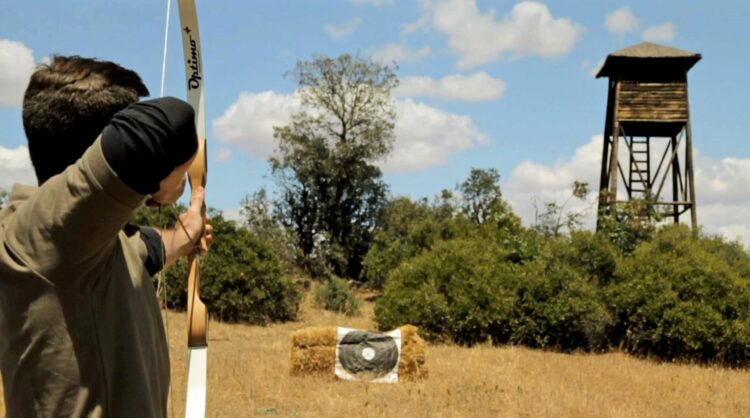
(365, 355)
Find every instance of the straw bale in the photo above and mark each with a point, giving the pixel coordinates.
(315, 336)
(318, 361)
(408, 332)
(412, 364)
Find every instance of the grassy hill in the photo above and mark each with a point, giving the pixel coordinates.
(249, 376)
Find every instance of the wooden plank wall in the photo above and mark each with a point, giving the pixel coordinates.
(652, 101)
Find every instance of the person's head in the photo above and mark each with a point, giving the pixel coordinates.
(67, 104)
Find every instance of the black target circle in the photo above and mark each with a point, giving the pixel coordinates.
(370, 353)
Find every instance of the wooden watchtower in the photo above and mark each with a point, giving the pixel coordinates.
(647, 134)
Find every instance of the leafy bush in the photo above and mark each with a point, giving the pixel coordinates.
(450, 293)
(522, 244)
(557, 307)
(335, 295)
(632, 222)
(241, 276)
(468, 291)
(590, 254)
(732, 253)
(678, 297)
(407, 229)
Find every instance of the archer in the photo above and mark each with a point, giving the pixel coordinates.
(82, 333)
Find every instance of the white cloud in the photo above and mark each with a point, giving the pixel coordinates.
(729, 220)
(400, 53)
(339, 32)
(423, 23)
(16, 66)
(531, 182)
(722, 195)
(737, 232)
(476, 87)
(722, 181)
(15, 167)
(621, 21)
(224, 154)
(376, 3)
(529, 29)
(425, 136)
(248, 123)
(660, 33)
(233, 214)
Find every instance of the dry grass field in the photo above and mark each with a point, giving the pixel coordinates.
(249, 376)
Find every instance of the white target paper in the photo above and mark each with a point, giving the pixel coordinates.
(368, 356)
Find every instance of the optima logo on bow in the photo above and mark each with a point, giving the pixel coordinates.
(193, 62)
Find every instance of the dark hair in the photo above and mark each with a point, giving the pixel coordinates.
(67, 104)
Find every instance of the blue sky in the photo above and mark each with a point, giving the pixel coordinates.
(500, 84)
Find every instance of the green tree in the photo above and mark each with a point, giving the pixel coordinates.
(445, 204)
(260, 219)
(257, 211)
(331, 190)
(162, 217)
(480, 194)
(481, 202)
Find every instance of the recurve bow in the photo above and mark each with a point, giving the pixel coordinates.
(197, 315)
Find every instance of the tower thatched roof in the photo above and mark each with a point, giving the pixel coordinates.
(647, 51)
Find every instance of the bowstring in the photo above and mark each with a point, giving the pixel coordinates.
(164, 58)
(162, 283)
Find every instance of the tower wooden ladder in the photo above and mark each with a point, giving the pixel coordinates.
(640, 168)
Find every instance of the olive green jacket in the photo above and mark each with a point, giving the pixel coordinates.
(81, 332)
